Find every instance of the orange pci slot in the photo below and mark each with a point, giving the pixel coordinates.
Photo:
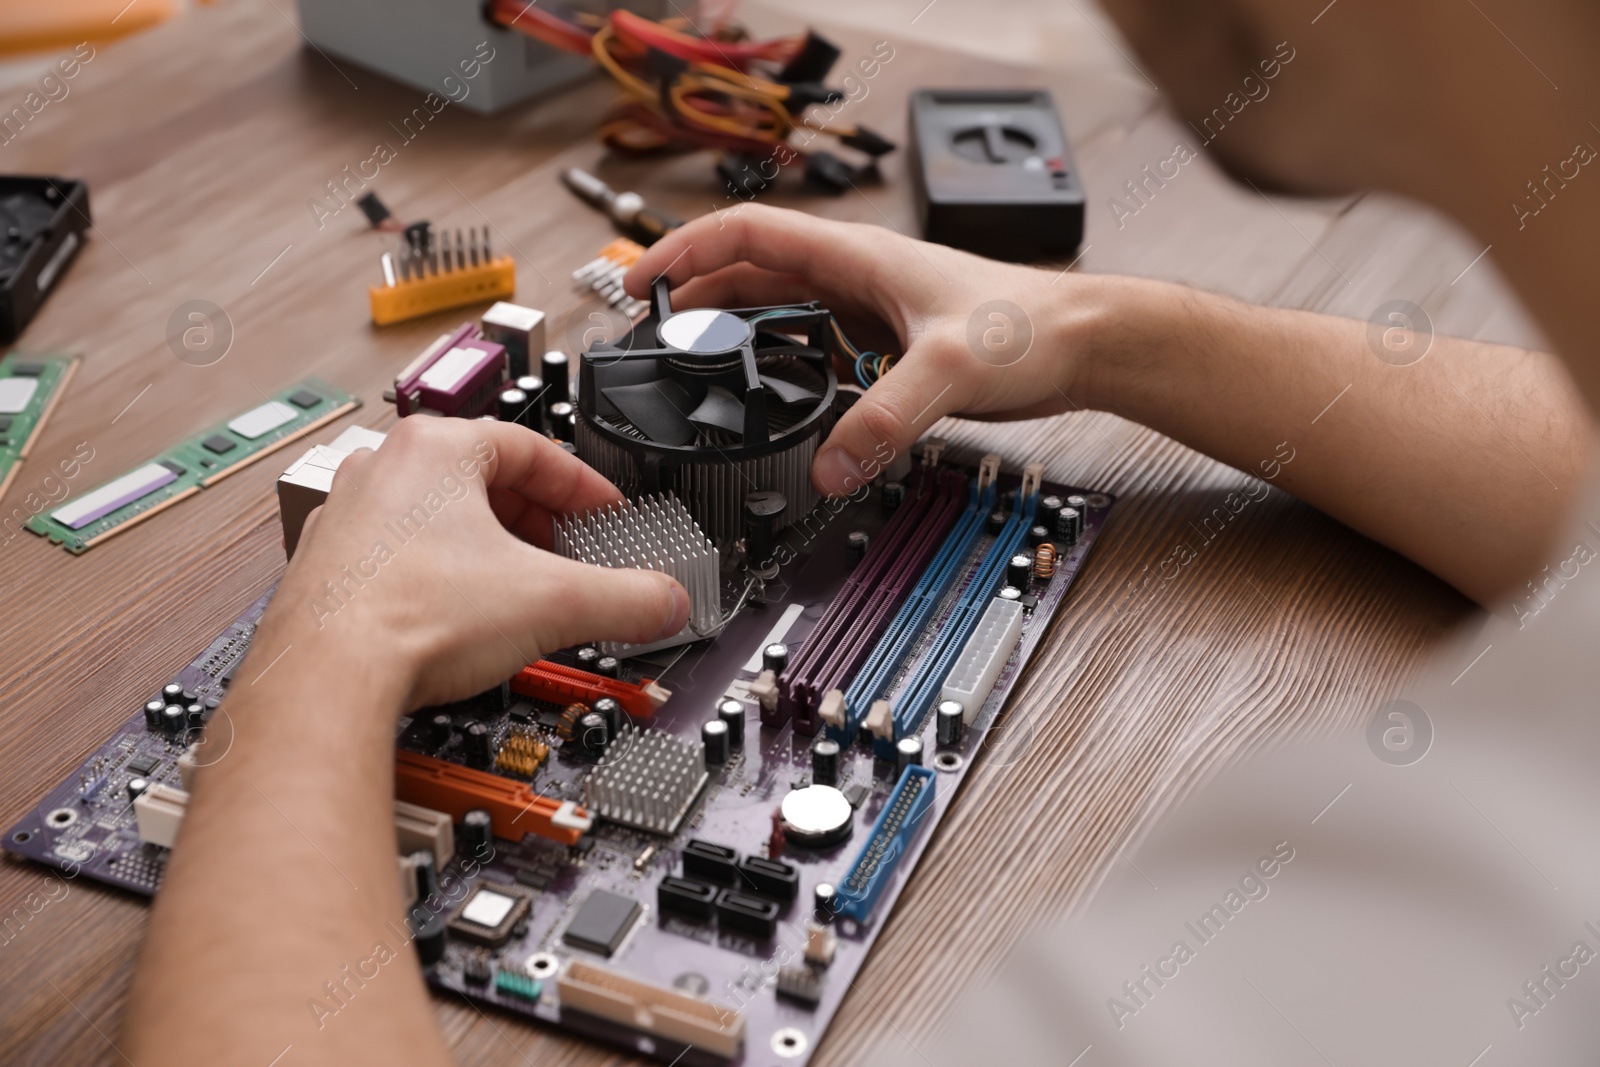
(515, 809)
(555, 683)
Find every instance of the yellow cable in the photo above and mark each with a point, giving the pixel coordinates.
(727, 125)
(603, 56)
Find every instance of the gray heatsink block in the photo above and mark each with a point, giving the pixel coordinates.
(655, 534)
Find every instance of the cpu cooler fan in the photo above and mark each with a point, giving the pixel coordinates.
(711, 405)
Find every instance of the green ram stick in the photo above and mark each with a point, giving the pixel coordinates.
(192, 465)
(30, 387)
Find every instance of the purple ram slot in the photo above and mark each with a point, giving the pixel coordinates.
(861, 608)
(880, 557)
(869, 625)
(866, 603)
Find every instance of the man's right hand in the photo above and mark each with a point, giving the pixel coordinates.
(973, 336)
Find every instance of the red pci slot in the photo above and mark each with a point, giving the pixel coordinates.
(555, 683)
(515, 809)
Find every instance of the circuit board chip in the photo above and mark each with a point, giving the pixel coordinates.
(650, 785)
(603, 920)
(489, 913)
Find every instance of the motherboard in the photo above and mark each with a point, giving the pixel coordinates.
(689, 851)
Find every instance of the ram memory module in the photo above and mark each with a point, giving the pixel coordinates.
(30, 387)
(192, 465)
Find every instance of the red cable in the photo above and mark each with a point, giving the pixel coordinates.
(543, 26)
(738, 54)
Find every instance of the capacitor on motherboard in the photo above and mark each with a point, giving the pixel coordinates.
(440, 730)
(763, 510)
(997, 522)
(1069, 525)
(1046, 508)
(1010, 592)
(511, 405)
(553, 367)
(172, 693)
(856, 544)
(173, 719)
(1077, 500)
(587, 657)
(950, 722)
(152, 714)
(714, 733)
(731, 711)
(775, 657)
(894, 494)
(477, 834)
(612, 712)
(532, 415)
(428, 934)
(1019, 572)
(907, 753)
(479, 742)
(608, 666)
(825, 901)
(427, 925)
(1038, 535)
(561, 427)
(593, 733)
(137, 786)
(194, 715)
(825, 761)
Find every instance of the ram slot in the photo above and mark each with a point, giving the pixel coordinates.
(875, 613)
(919, 695)
(875, 864)
(897, 641)
(796, 696)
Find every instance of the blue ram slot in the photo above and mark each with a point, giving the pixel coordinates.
(919, 696)
(875, 864)
(893, 647)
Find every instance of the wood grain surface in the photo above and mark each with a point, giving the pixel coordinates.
(203, 142)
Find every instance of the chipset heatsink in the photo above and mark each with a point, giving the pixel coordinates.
(656, 533)
(650, 786)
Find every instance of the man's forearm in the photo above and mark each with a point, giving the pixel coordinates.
(284, 880)
(1465, 460)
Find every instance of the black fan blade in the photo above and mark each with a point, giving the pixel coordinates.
(768, 344)
(658, 408)
(720, 410)
(609, 376)
(788, 392)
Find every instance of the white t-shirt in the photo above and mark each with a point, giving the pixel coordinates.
(1392, 898)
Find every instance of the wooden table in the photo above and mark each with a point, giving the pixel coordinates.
(203, 142)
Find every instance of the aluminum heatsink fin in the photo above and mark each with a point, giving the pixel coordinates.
(655, 534)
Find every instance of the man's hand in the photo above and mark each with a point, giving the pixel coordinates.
(421, 580)
(1249, 386)
(974, 336)
(431, 553)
